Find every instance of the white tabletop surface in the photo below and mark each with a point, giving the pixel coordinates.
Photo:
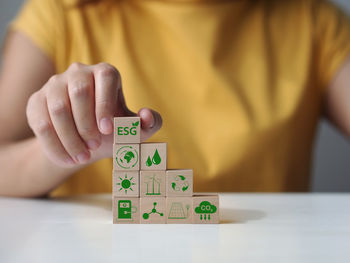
(254, 228)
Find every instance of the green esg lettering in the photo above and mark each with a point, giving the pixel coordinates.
(127, 131)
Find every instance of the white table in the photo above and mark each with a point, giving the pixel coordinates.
(254, 228)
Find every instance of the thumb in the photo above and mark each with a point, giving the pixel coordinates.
(151, 122)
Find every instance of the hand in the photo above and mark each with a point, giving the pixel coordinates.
(72, 114)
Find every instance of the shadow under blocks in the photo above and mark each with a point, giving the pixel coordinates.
(145, 192)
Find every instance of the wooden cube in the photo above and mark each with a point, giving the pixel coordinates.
(126, 210)
(126, 157)
(205, 209)
(126, 183)
(152, 210)
(153, 156)
(152, 183)
(179, 182)
(179, 210)
(127, 130)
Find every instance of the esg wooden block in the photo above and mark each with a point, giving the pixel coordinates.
(126, 157)
(152, 183)
(179, 210)
(127, 130)
(153, 156)
(152, 210)
(179, 182)
(205, 209)
(126, 183)
(126, 210)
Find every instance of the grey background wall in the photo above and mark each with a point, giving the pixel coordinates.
(332, 150)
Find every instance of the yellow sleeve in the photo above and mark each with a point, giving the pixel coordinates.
(332, 40)
(41, 21)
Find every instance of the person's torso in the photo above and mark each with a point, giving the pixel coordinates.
(231, 79)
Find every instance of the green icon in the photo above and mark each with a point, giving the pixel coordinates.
(177, 211)
(125, 210)
(127, 157)
(205, 208)
(153, 211)
(180, 183)
(153, 185)
(155, 159)
(126, 183)
(135, 124)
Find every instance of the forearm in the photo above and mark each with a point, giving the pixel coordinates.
(27, 172)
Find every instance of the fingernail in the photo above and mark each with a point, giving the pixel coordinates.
(83, 157)
(93, 144)
(153, 122)
(106, 126)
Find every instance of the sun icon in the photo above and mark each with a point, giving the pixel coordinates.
(126, 183)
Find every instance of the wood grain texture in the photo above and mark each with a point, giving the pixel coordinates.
(179, 182)
(127, 130)
(154, 156)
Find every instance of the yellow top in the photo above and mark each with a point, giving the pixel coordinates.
(238, 83)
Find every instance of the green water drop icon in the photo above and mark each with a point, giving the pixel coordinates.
(156, 158)
(149, 162)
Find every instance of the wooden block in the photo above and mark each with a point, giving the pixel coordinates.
(126, 183)
(126, 157)
(153, 156)
(126, 210)
(179, 182)
(152, 183)
(206, 209)
(152, 210)
(127, 130)
(179, 210)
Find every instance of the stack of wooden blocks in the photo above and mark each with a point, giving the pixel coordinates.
(144, 191)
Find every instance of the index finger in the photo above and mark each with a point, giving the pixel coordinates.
(109, 98)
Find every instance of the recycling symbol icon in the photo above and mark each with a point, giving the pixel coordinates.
(180, 184)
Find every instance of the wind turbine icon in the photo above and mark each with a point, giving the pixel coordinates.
(153, 185)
